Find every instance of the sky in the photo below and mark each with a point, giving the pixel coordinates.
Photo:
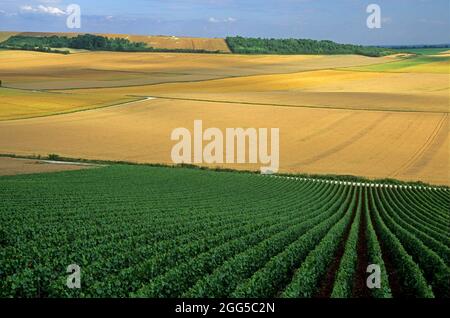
(403, 22)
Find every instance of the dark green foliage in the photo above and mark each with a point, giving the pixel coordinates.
(53, 156)
(243, 45)
(141, 231)
(83, 41)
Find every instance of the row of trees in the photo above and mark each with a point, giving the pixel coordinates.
(84, 41)
(243, 45)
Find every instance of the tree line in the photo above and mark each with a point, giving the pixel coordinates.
(84, 41)
(241, 45)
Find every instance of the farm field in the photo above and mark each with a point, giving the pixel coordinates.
(332, 119)
(439, 64)
(16, 104)
(35, 70)
(323, 88)
(404, 145)
(160, 42)
(15, 166)
(139, 231)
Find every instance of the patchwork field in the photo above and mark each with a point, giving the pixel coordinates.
(35, 70)
(407, 146)
(333, 118)
(16, 103)
(160, 232)
(439, 63)
(325, 88)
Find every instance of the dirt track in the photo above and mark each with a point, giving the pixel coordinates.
(14, 166)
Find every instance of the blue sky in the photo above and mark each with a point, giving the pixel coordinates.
(344, 21)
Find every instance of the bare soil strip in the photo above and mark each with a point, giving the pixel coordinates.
(15, 166)
(394, 280)
(326, 285)
(360, 289)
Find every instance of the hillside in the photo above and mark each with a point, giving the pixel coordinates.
(140, 231)
(158, 42)
(237, 45)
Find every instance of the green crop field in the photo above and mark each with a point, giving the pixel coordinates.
(141, 231)
(419, 64)
(423, 51)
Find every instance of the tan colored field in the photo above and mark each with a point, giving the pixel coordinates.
(173, 42)
(156, 41)
(24, 104)
(407, 146)
(327, 88)
(377, 124)
(35, 70)
(14, 166)
(6, 35)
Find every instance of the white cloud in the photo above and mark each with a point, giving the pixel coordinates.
(43, 10)
(226, 20)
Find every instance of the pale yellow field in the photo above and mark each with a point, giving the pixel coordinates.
(6, 35)
(332, 120)
(436, 67)
(35, 70)
(24, 104)
(326, 88)
(407, 146)
(173, 42)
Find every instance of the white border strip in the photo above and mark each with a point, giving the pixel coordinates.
(364, 184)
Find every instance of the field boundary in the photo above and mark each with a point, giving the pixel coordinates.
(334, 179)
(137, 100)
(295, 106)
(363, 184)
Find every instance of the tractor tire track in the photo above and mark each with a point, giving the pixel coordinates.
(426, 152)
(327, 128)
(362, 133)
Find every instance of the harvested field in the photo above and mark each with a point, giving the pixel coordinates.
(439, 64)
(326, 88)
(35, 70)
(14, 166)
(332, 120)
(407, 146)
(16, 104)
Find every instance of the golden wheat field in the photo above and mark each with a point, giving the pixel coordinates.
(325, 88)
(406, 146)
(332, 119)
(24, 104)
(35, 70)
